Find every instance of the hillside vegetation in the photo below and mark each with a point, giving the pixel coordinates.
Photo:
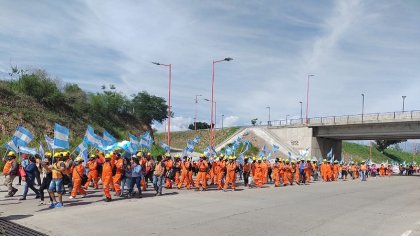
(36, 101)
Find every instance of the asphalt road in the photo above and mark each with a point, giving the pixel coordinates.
(383, 206)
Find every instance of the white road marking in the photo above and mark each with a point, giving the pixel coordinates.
(406, 233)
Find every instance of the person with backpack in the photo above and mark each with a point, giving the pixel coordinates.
(29, 178)
(78, 177)
(10, 172)
(159, 175)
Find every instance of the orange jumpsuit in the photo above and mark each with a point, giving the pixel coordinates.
(388, 171)
(276, 173)
(92, 174)
(107, 178)
(177, 167)
(221, 174)
(382, 171)
(231, 175)
(287, 177)
(201, 176)
(78, 172)
(191, 172)
(259, 175)
(168, 167)
(264, 166)
(143, 162)
(118, 175)
(184, 179)
(335, 172)
(297, 174)
(324, 171)
(308, 172)
(213, 174)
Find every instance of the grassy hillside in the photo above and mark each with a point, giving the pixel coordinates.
(361, 152)
(179, 139)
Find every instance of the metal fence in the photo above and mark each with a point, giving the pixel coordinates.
(352, 119)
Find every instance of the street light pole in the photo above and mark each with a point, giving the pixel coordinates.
(223, 117)
(403, 97)
(212, 98)
(307, 99)
(301, 119)
(169, 100)
(269, 116)
(286, 119)
(195, 115)
(363, 105)
(215, 111)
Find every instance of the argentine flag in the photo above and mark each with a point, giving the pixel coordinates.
(61, 136)
(22, 137)
(108, 139)
(92, 139)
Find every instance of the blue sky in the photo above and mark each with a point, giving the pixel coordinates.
(351, 47)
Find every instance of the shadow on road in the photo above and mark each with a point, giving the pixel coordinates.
(17, 217)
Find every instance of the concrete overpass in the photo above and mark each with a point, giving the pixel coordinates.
(320, 134)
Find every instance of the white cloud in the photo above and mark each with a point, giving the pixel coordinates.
(178, 123)
(230, 121)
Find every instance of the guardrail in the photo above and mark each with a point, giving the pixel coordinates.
(351, 119)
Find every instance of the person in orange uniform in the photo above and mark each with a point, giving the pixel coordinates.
(92, 172)
(259, 173)
(202, 166)
(382, 170)
(116, 179)
(78, 171)
(388, 170)
(264, 166)
(246, 170)
(107, 176)
(221, 172)
(287, 177)
(185, 168)
(215, 169)
(308, 171)
(335, 170)
(276, 172)
(10, 171)
(231, 168)
(168, 166)
(177, 169)
(324, 170)
(363, 170)
(296, 173)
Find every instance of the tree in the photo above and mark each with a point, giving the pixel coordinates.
(149, 108)
(381, 145)
(200, 125)
(254, 121)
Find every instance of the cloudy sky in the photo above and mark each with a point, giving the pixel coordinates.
(352, 47)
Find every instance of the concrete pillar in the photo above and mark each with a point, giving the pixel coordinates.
(321, 146)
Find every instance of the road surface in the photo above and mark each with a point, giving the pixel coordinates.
(382, 206)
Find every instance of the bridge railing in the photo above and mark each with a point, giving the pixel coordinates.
(352, 119)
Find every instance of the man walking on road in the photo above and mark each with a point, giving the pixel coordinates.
(10, 171)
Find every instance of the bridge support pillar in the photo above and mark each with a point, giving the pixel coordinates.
(321, 146)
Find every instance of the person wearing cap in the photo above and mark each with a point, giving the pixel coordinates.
(281, 171)
(324, 170)
(344, 171)
(184, 179)
(159, 175)
(231, 168)
(119, 171)
(56, 184)
(177, 169)
(201, 179)
(168, 166)
(77, 176)
(276, 172)
(308, 171)
(335, 170)
(221, 171)
(382, 170)
(246, 170)
(92, 175)
(287, 177)
(259, 173)
(10, 172)
(29, 179)
(107, 177)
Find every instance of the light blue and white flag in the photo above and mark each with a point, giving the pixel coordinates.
(289, 155)
(262, 152)
(133, 139)
(41, 151)
(11, 146)
(27, 150)
(93, 139)
(61, 136)
(50, 142)
(165, 146)
(146, 140)
(196, 140)
(108, 138)
(275, 148)
(22, 137)
(82, 149)
(330, 154)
